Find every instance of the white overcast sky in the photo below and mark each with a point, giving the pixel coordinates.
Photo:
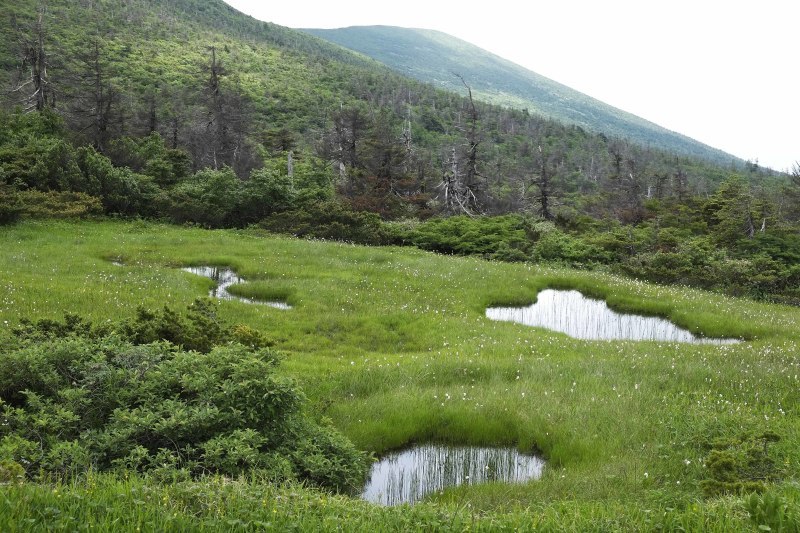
(724, 73)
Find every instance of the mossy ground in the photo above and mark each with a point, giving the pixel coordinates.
(392, 344)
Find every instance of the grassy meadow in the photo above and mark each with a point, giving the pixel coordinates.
(392, 345)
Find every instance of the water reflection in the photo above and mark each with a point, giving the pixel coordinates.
(224, 278)
(572, 313)
(410, 475)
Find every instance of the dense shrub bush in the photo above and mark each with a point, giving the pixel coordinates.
(10, 205)
(75, 397)
(54, 204)
(329, 220)
(502, 237)
(197, 329)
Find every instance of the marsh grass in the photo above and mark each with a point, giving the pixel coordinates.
(265, 291)
(393, 346)
(106, 503)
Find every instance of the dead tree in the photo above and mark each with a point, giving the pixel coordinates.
(33, 84)
(543, 180)
(471, 171)
(459, 182)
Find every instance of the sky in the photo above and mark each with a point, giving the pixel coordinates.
(724, 73)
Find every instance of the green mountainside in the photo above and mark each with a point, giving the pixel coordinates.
(231, 91)
(435, 57)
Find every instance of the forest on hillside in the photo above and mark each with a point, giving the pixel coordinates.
(191, 112)
(432, 57)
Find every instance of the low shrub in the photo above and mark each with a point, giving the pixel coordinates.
(329, 220)
(75, 397)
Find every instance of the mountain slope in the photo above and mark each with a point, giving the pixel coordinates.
(231, 91)
(436, 57)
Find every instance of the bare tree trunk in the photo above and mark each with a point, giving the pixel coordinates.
(35, 83)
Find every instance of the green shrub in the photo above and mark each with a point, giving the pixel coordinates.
(174, 395)
(502, 237)
(329, 220)
(11, 472)
(10, 205)
(76, 403)
(209, 198)
(199, 329)
(559, 247)
(52, 204)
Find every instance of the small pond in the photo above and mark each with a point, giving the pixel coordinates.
(410, 475)
(576, 315)
(224, 278)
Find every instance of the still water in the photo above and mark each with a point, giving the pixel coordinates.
(224, 278)
(572, 313)
(410, 475)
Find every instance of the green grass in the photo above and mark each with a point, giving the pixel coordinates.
(392, 344)
(104, 503)
(265, 291)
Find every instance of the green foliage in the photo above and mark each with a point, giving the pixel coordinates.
(771, 512)
(37, 159)
(329, 220)
(270, 190)
(11, 472)
(47, 329)
(10, 205)
(35, 154)
(559, 247)
(266, 192)
(502, 237)
(76, 402)
(44, 163)
(149, 156)
(730, 212)
(208, 198)
(122, 191)
(199, 329)
(217, 198)
(53, 204)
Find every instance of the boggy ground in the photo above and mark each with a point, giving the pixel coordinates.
(392, 345)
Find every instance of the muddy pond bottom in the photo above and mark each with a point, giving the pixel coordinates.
(224, 278)
(410, 475)
(585, 318)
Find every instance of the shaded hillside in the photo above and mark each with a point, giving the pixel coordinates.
(434, 57)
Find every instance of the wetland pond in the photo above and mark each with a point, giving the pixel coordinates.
(585, 318)
(410, 475)
(224, 278)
